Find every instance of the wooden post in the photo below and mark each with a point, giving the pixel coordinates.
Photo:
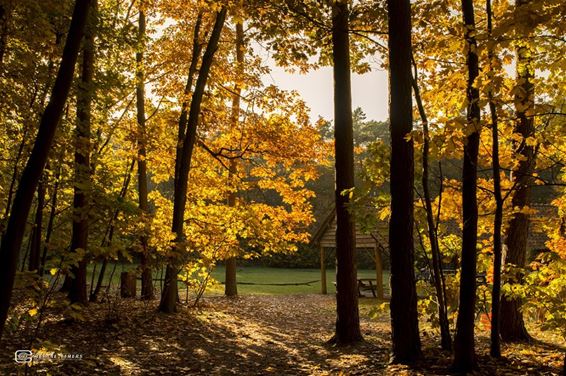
(322, 271)
(127, 285)
(378, 272)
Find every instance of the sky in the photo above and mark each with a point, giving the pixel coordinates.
(369, 91)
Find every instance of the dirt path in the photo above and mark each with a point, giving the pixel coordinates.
(252, 335)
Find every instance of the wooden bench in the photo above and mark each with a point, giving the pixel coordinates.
(367, 284)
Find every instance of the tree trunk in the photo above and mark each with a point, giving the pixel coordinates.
(51, 221)
(323, 289)
(169, 295)
(512, 324)
(495, 347)
(464, 348)
(109, 233)
(197, 47)
(231, 284)
(404, 319)
(439, 284)
(231, 287)
(35, 250)
(378, 273)
(15, 174)
(347, 320)
(6, 8)
(12, 240)
(127, 285)
(81, 200)
(146, 276)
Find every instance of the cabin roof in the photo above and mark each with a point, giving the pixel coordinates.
(325, 235)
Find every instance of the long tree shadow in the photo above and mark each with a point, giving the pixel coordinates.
(246, 336)
(232, 339)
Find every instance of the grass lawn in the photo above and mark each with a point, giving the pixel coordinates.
(261, 277)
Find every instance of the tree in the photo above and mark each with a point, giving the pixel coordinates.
(464, 349)
(439, 283)
(83, 173)
(169, 295)
(404, 319)
(6, 8)
(231, 287)
(36, 234)
(512, 323)
(495, 348)
(347, 321)
(147, 279)
(12, 240)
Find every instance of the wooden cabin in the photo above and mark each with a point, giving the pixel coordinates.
(325, 238)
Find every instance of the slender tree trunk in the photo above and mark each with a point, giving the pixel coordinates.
(404, 319)
(231, 287)
(37, 231)
(231, 284)
(169, 295)
(347, 320)
(12, 240)
(512, 324)
(169, 291)
(28, 246)
(146, 277)
(378, 273)
(6, 8)
(15, 175)
(81, 200)
(197, 47)
(109, 233)
(323, 286)
(495, 348)
(464, 348)
(445, 338)
(51, 220)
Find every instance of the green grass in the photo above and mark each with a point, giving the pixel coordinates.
(265, 275)
(260, 276)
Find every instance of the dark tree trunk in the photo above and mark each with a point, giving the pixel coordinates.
(146, 277)
(404, 319)
(127, 285)
(323, 287)
(464, 349)
(15, 174)
(35, 250)
(231, 284)
(12, 240)
(109, 233)
(495, 348)
(347, 320)
(512, 324)
(81, 200)
(197, 48)
(169, 295)
(51, 220)
(439, 285)
(43, 98)
(6, 7)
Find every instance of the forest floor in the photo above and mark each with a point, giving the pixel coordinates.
(249, 335)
